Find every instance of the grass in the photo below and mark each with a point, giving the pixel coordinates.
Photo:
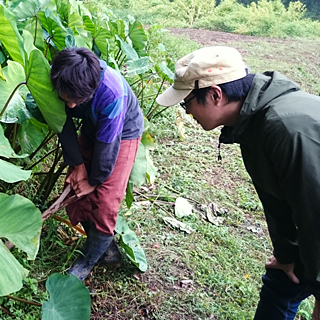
(212, 273)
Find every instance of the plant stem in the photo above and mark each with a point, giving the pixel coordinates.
(68, 223)
(24, 301)
(11, 95)
(45, 140)
(7, 311)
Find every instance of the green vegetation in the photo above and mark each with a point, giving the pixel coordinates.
(214, 271)
(259, 18)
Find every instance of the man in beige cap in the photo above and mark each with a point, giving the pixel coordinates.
(278, 128)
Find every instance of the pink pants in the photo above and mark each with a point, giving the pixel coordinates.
(102, 205)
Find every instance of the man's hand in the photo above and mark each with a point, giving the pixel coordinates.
(287, 268)
(82, 188)
(316, 311)
(78, 173)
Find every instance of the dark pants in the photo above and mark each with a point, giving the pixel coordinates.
(279, 296)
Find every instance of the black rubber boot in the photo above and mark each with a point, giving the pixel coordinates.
(112, 257)
(95, 246)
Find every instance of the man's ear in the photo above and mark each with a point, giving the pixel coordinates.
(216, 93)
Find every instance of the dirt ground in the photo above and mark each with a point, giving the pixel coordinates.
(214, 38)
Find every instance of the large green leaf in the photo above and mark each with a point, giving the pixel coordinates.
(100, 38)
(99, 33)
(54, 27)
(30, 135)
(9, 35)
(117, 28)
(5, 148)
(130, 243)
(34, 27)
(12, 173)
(16, 111)
(25, 9)
(138, 37)
(139, 169)
(127, 49)
(138, 66)
(69, 299)
(166, 70)
(40, 86)
(20, 223)
(11, 272)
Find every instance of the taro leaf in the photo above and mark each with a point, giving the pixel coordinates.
(54, 27)
(131, 245)
(5, 148)
(100, 39)
(40, 86)
(129, 195)
(12, 173)
(138, 37)
(34, 27)
(20, 223)
(33, 108)
(99, 34)
(178, 224)
(138, 66)
(25, 9)
(182, 208)
(128, 50)
(69, 299)
(9, 35)
(117, 28)
(63, 9)
(163, 67)
(75, 20)
(16, 111)
(11, 271)
(88, 24)
(81, 41)
(147, 140)
(30, 135)
(143, 166)
(139, 169)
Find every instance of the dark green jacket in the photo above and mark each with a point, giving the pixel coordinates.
(279, 134)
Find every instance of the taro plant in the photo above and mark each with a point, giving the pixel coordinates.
(31, 33)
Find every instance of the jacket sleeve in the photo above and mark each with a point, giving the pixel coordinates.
(282, 229)
(70, 144)
(108, 140)
(293, 147)
(103, 161)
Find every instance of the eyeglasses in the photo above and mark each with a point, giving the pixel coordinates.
(183, 104)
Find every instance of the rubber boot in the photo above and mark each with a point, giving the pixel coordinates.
(95, 246)
(112, 257)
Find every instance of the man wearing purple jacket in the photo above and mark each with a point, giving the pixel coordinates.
(101, 159)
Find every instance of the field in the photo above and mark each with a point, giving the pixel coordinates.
(210, 267)
(213, 272)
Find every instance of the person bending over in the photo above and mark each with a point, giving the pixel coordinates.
(101, 159)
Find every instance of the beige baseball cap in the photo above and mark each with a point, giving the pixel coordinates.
(203, 68)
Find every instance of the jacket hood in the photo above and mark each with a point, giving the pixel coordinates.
(265, 88)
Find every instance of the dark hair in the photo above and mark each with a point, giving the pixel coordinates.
(76, 73)
(234, 90)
